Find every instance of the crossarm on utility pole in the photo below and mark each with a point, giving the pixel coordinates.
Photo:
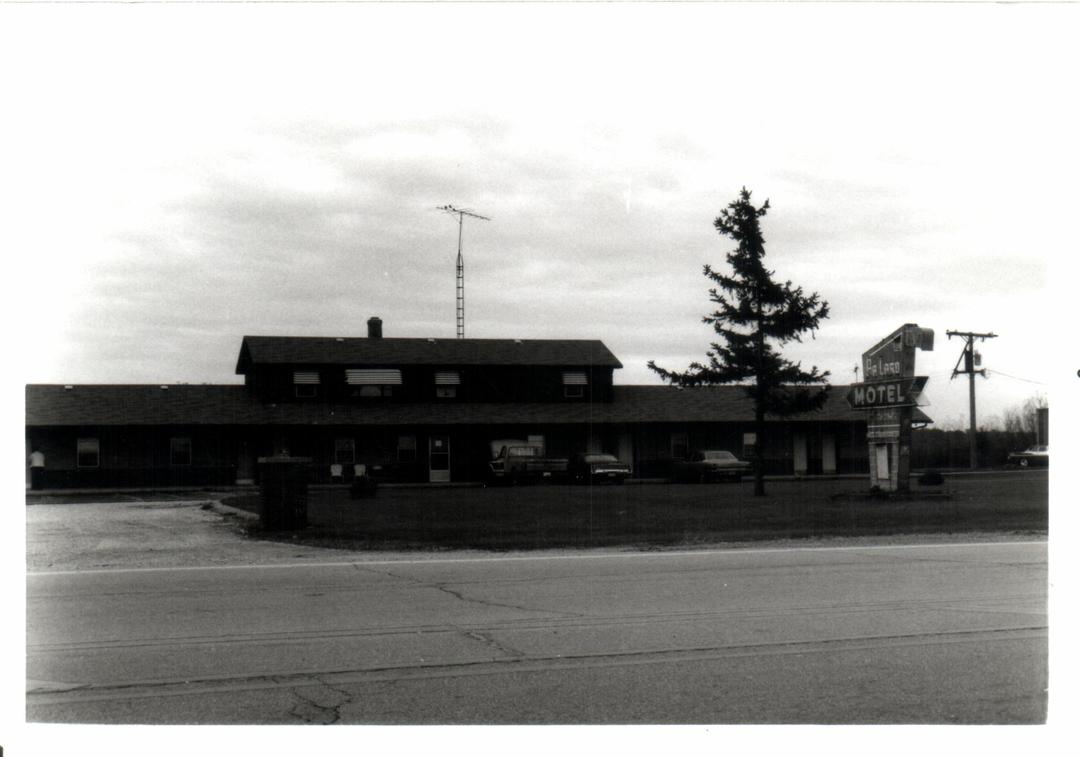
(968, 357)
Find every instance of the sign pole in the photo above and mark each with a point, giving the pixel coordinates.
(889, 392)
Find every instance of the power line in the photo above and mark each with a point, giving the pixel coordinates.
(1006, 375)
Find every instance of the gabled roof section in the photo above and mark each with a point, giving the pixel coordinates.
(670, 404)
(225, 405)
(358, 351)
(140, 405)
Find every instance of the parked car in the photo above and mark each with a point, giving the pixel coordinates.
(709, 465)
(1037, 456)
(598, 467)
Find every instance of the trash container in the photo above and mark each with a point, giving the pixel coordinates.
(363, 486)
(283, 484)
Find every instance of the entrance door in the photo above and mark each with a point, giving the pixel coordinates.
(828, 454)
(798, 449)
(438, 458)
(245, 465)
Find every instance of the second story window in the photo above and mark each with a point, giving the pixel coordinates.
(574, 383)
(306, 383)
(446, 383)
(368, 382)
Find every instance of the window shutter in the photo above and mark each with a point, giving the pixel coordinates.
(574, 378)
(305, 377)
(369, 377)
(447, 378)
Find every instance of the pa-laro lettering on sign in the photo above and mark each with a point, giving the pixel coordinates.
(878, 369)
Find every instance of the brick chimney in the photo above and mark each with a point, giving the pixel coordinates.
(374, 328)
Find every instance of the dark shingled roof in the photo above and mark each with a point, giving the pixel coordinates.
(358, 351)
(219, 405)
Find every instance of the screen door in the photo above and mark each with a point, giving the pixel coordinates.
(438, 458)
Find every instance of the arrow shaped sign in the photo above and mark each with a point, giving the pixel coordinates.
(896, 393)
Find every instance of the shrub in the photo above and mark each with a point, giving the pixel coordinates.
(931, 478)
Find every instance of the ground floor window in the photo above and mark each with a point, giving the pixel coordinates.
(88, 453)
(749, 445)
(180, 450)
(406, 449)
(344, 451)
(680, 447)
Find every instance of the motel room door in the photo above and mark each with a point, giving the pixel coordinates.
(438, 458)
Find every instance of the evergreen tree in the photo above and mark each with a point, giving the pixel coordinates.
(754, 317)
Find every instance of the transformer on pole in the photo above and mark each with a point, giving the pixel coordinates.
(461, 213)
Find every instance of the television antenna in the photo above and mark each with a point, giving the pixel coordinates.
(461, 213)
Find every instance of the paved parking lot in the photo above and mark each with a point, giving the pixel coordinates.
(145, 531)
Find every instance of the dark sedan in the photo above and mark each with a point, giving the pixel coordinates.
(599, 467)
(709, 465)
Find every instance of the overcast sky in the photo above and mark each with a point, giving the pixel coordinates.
(181, 176)
(175, 177)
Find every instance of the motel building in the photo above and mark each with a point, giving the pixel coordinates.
(410, 410)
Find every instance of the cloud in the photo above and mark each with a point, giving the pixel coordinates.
(278, 186)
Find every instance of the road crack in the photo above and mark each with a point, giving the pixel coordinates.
(318, 709)
(495, 644)
(445, 588)
(491, 603)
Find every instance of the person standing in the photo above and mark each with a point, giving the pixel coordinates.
(37, 469)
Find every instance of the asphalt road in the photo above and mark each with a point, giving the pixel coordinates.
(891, 634)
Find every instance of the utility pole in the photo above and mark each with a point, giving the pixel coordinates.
(971, 360)
(460, 213)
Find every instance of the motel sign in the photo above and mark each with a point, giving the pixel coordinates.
(899, 393)
(888, 393)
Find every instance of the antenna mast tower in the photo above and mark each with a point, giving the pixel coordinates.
(461, 213)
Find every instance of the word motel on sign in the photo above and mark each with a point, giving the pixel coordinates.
(871, 394)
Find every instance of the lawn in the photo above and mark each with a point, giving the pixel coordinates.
(547, 516)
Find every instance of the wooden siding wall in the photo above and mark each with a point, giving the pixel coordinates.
(478, 384)
(137, 456)
(140, 456)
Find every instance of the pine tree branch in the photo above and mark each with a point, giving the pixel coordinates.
(753, 312)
